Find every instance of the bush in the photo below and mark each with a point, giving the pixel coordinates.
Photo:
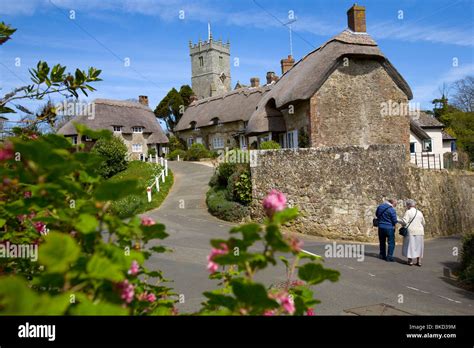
(173, 155)
(224, 171)
(239, 186)
(176, 143)
(269, 145)
(466, 273)
(152, 152)
(114, 152)
(196, 152)
(224, 209)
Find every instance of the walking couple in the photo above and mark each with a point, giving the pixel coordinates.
(413, 223)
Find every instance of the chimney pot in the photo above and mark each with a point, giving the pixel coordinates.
(254, 82)
(287, 64)
(271, 77)
(356, 19)
(143, 99)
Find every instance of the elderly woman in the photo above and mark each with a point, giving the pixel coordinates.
(413, 242)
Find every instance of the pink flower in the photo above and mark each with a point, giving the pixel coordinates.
(40, 227)
(295, 244)
(151, 298)
(134, 268)
(286, 301)
(269, 313)
(145, 296)
(147, 221)
(275, 201)
(27, 194)
(6, 152)
(33, 136)
(310, 311)
(211, 265)
(127, 291)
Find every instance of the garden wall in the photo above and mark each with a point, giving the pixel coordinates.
(337, 189)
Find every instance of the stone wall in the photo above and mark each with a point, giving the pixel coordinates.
(225, 131)
(337, 189)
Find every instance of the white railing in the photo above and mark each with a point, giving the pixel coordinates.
(155, 181)
(427, 160)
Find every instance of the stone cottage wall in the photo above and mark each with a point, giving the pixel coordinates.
(337, 189)
(226, 130)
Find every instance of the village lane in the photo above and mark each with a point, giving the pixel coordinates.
(364, 283)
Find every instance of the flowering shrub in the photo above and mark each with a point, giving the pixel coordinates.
(239, 293)
(90, 262)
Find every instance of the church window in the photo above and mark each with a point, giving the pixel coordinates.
(201, 61)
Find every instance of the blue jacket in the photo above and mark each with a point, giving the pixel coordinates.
(387, 215)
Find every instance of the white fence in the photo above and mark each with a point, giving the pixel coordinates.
(427, 160)
(155, 181)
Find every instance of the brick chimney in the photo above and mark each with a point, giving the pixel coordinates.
(287, 64)
(143, 99)
(254, 82)
(271, 77)
(356, 18)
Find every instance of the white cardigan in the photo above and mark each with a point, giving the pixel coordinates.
(416, 227)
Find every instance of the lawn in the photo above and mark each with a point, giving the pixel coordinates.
(144, 173)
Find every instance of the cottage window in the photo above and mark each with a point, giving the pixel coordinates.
(137, 129)
(137, 147)
(118, 129)
(201, 61)
(192, 124)
(218, 143)
(412, 147)
(190, 141)
(427, 145)
(88, 138)
(215, 121)
(74, 140)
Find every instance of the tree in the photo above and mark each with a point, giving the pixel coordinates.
(46, 81)
(463, 97)
(172, 106)
(114, 152)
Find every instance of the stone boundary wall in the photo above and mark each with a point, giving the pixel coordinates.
(337, 189)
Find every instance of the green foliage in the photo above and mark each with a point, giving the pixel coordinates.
(173, 155)
(461, 125)
(240, 260)
(176, 144)
(5, 32)
(224, 171)
(270, 145)
(239, 185)
(136, 201)
(196, 152)
(303, 138)
(466, 273)
(52, 188)
(171, 107)
(221, 207)
(114, 153)
(152, 152)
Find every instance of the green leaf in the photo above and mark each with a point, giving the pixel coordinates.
(87, 223)
(315, 273)
(156, 231)
(220, 300)
(86, 307)
(2, 222)
(100, 267)
(58, 252)
(252, 294)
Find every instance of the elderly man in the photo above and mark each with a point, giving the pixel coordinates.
(387, 219)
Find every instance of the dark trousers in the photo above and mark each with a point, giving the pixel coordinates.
(384, 235)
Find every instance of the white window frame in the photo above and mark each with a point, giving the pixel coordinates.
(190, 141)
(199, 140)
(425, 147)
(137, 129)
(119, 129)
(88, 138)
(74, 140)
(218, 142)
(137, 148)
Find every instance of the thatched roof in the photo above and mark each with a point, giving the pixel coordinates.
(233, 106)
(418, 131)
(109, 113)
(426, 120)
(305, 78)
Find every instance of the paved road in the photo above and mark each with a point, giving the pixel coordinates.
(415, 290)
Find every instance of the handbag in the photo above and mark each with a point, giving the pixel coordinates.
(403, 231)
(375, 221)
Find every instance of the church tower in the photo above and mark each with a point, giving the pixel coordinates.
(210, 67)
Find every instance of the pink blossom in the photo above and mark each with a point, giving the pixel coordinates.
(145, 296)
(73, 233)
(286, 301)
(6, 152)
(134, 268)
(127, 291)
(269, 313)
(33, 136)
(151, 298)
(275, 201)
(295, 244)
(211, 265)
(27, 194)
(310, 311)
(40, 227)
(21, 218)
(147, 221)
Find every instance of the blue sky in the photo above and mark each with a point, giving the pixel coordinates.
(422, 45)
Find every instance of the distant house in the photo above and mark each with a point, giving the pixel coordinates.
(428, 141)
(134, 122)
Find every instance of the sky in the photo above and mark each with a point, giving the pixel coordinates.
(430, 42)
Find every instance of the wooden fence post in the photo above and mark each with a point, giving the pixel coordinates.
(148, 192)
(163, 175)
(157, 183)
(166, 167)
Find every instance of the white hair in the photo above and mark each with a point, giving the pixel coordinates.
(410, 203)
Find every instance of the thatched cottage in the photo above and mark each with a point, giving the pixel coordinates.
(134, 122)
